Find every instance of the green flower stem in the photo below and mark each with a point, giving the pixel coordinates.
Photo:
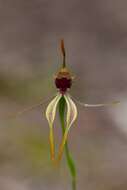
(70, 162)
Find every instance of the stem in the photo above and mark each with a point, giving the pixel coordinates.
(70, 162)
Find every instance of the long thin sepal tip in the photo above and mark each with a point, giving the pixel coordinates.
(62, 47)
(52, 148)
(61, 149)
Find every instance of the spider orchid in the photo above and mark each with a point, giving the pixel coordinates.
(63, 82)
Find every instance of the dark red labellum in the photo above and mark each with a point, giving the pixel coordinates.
(63, 84)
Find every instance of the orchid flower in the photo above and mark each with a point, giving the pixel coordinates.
(63, 82)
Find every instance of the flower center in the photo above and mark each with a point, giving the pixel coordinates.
(63, 80)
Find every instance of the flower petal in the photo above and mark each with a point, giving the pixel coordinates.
(50, 115)
(71, 111)
(51, 109)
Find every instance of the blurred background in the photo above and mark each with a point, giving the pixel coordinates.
(95, 35)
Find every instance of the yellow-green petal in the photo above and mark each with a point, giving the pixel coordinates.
(71, 111)
(50, 115)
(51, 109)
